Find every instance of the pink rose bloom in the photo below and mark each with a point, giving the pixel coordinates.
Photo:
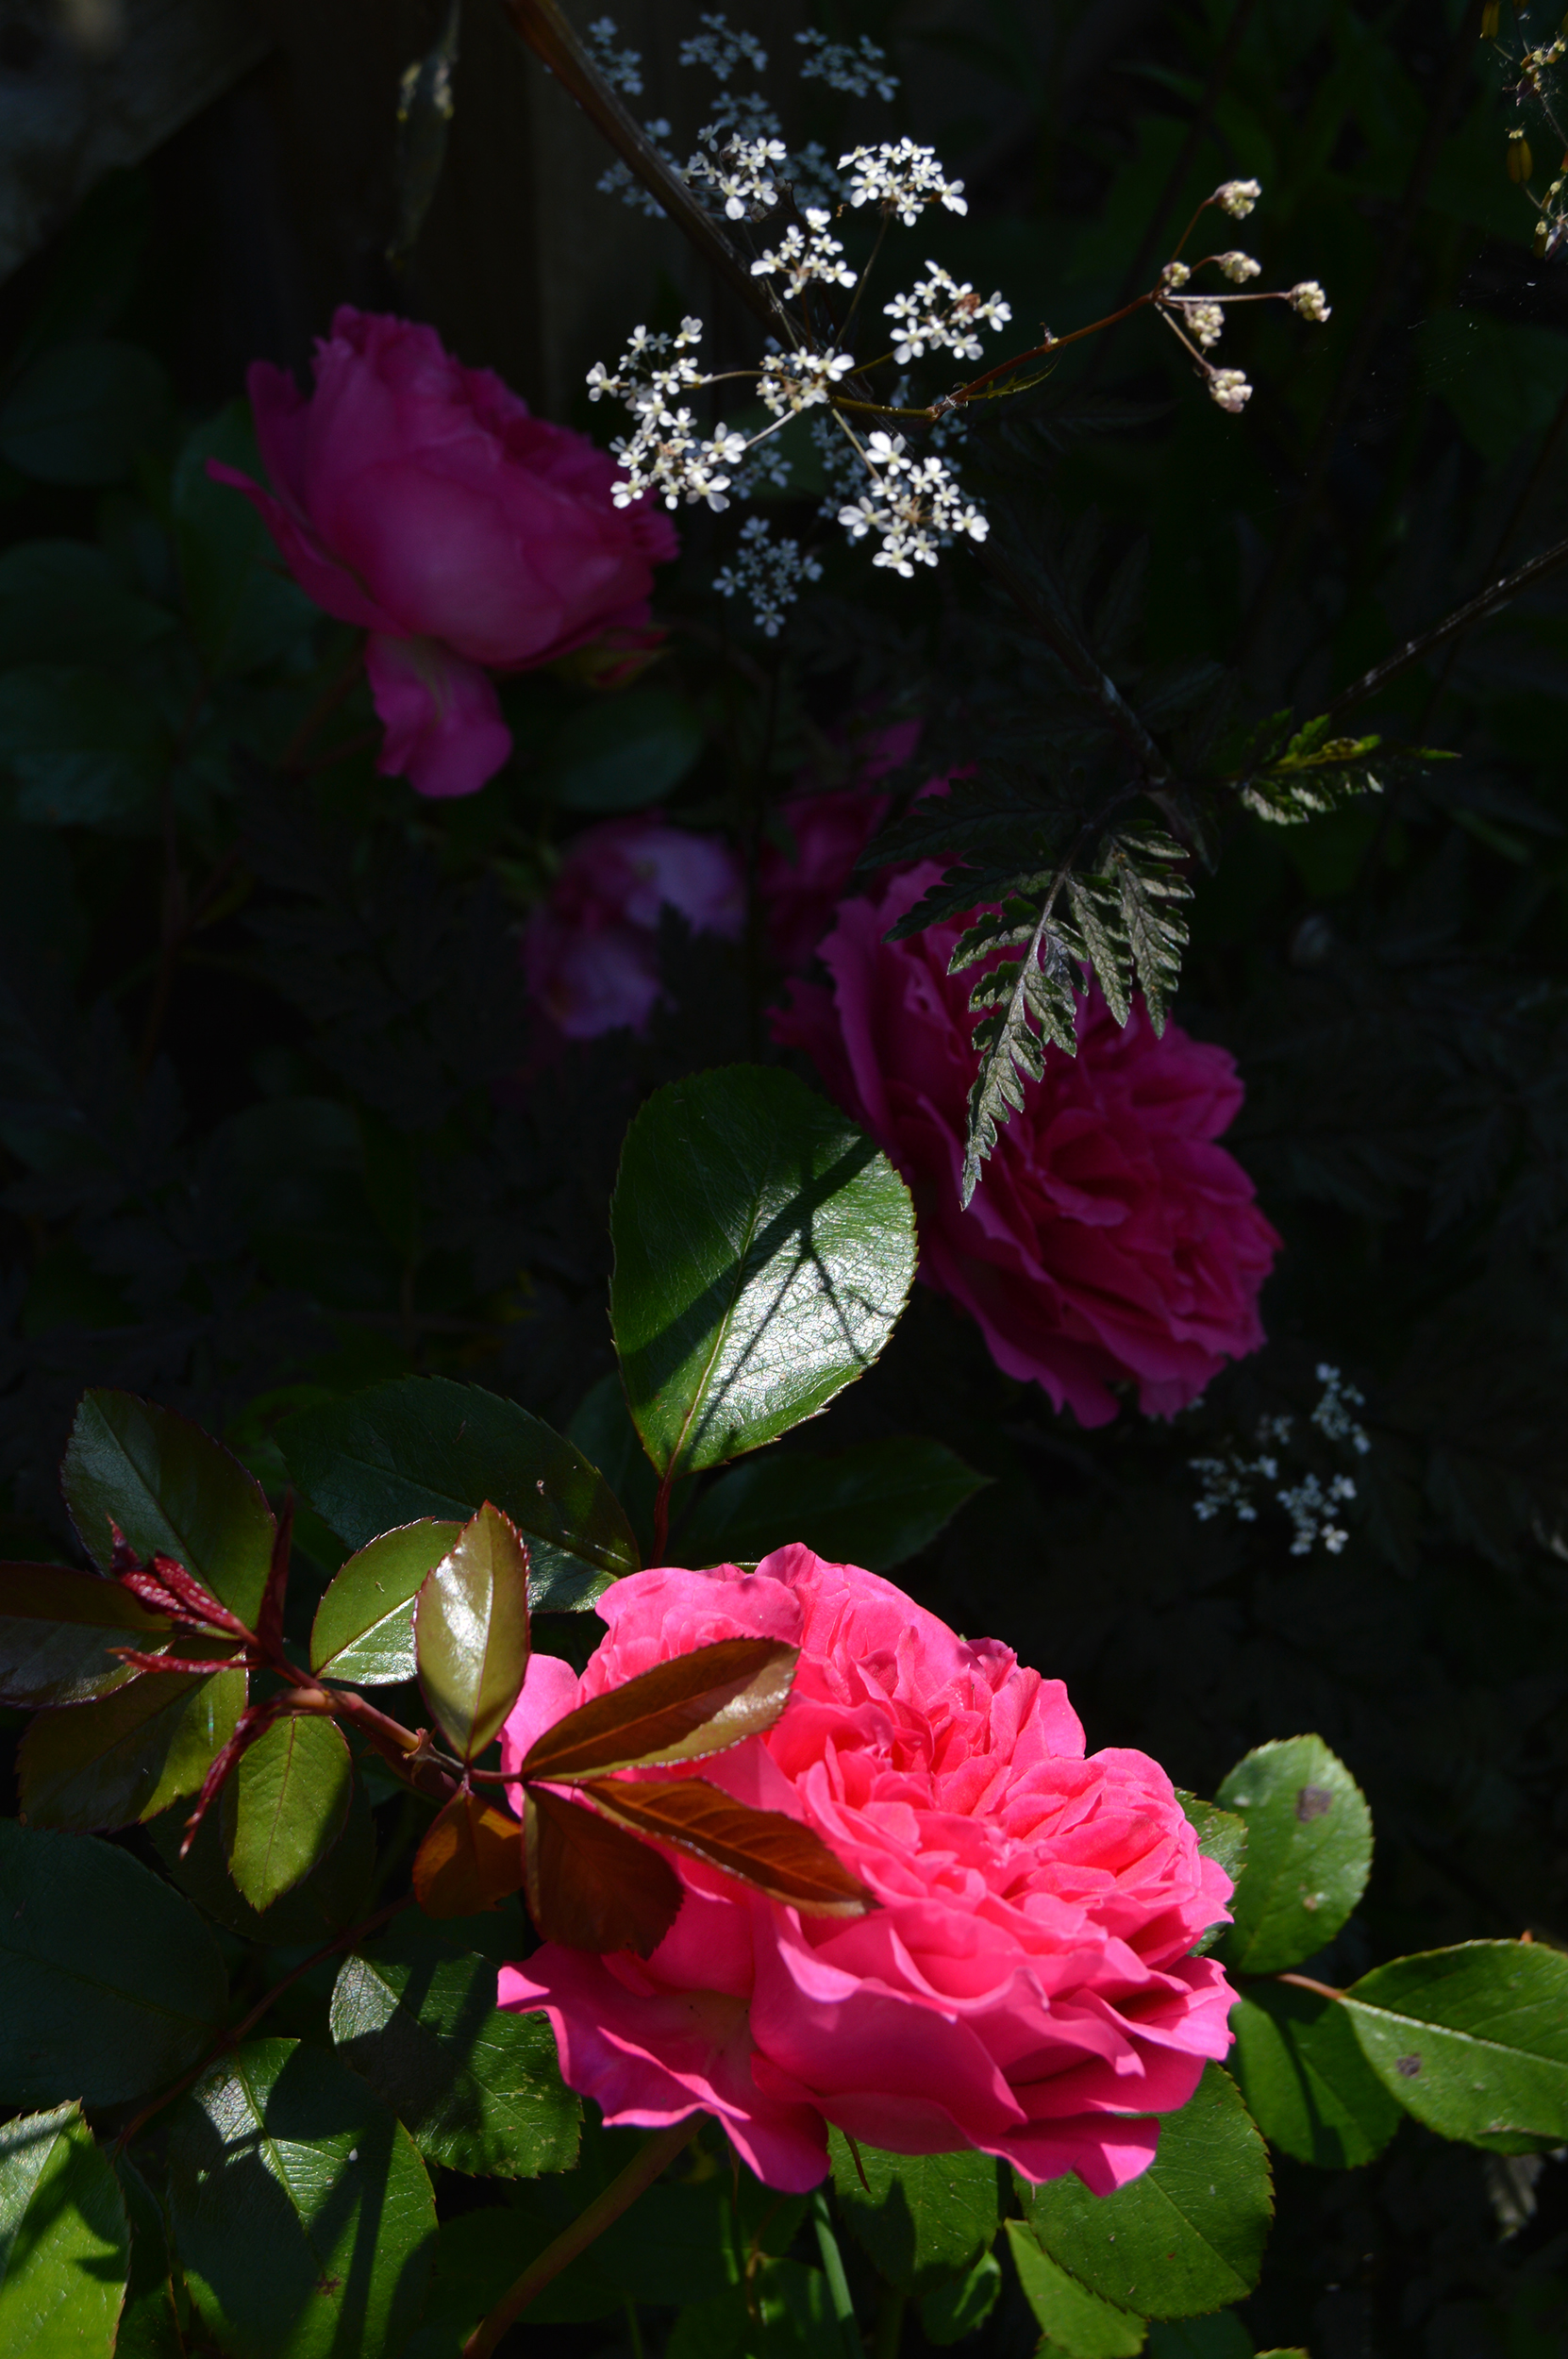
(1025, 1983)
(590, 952)
(800, 889)
(1109, 1237)
(421, 501)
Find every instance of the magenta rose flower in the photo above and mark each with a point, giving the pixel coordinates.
(421, 500)
(1025, 1983)
(590, 951)
(1110, 1238)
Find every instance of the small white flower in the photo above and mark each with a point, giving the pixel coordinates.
(1205, 323)
(843, 67)
(1310, 300)
(901, 177)
(1238, 197)
(1239, 268)
(1230, 387)
(1175, 274)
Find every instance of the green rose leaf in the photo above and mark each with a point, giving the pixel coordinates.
(422, 1446)
(82, 412)
(332, 1897)
(1223, 1838)
(1474, 2040)
(114, 1984)
(84, 746)
(365, 1625)
(764, 1250)
(1221, 2336)
(1306, 2081)
(291, 1795)
(173, 1491)
(478, 2090)
(154, 2322)
(64, 2240)
(1071, 2319)
(622, 752)
(925, 2216)
(243, 609)
(1309, 1852)
(873, 1505)
(301, 2211)
(98, 1765)
(56, 1628)
(952, 2311)
(470, 1632)
(1186, 2237)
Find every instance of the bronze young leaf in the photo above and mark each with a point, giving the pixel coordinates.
(776, 1854)
(590, 1886)
(694, 1705)
(470, 1859)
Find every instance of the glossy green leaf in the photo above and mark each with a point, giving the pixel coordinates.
(423, 1445)
(1306, 2085)
(292, 1794)
(112, 1984)
(1186, 2237)
(1309, 1852)
(130, 1754)
(621, 752)
(873, 1505)
(1221, 2336)
(84, 747)
(81, 410)
(1071, 2318)
(1472, 2040)
(960, 2305)
(244, 610)
(477, 2089)
(64, 2240)
(924, 2215)
(56, 1628)
(364, 1626)
(332, 1897)
(302, 2213)
(763, 1251)
(173, 1491)
(470, 1632)
(1223, 1838)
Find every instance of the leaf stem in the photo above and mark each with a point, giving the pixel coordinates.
(1304, 1982)
(888, 2331)
(606, 2208)
(1473, 611)
(838, 2284)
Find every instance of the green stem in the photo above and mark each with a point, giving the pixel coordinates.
(838, 2284)
(622, 2192)
(890, 2324)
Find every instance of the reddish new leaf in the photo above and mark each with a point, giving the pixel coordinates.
(762, 1847)
(269, 1622)
(470, 1859)
(589, 1885)
(694, 1705)
(253, 1722)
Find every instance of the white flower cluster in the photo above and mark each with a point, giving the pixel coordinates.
(1230, 387)
(1310, 1505)
(721, 49)
(793, 381)
(742, 176)
(938, 313)
(1205, 322)
(1225, 1484)
(915, 507)
(1310, 300)
(804, 255)
(1238, 197)
(1313, 1504)
(768, 573)
(857, 72)
(620, 68)
(1332, 1416)
(901, 177)
(618, 179)
(1239, 268)
(665, 453)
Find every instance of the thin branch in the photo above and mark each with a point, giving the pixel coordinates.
(1485, 603)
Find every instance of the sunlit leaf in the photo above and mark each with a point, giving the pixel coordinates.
(590, 1886)
(1472, 2040)
(1307, 2084)
(779, 1856)
(470, 1632)
(173, 1491)
(64, 2240)
(1309, 1852)
(1071, 2319)
(291, 1795)
(693, 1704)
(364, 1626)
(920, 2216)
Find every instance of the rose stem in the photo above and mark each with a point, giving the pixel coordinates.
(838, 2284)
(888, 2332)
(637, 2176)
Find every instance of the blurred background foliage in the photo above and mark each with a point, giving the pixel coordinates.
(276, 1122)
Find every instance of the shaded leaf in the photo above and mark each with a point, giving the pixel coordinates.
(478, 2089)
(764, 1250)
(291, 1795)
(1472, 2040)
(590, 1886)
(1307, 2084)
(873, 1505)
(621, 753)
(114, 1984)
(173, 1491)
(1221, 2336)
(959, 2306)
(776, 1854)
(56, 1628)
(333, 1896)
(364, 1626)
(84, 747)
(423, 1445)
(64, 2240)
(129, 1754)
(1186, 2237)
(1071, 2319)
(1309, 1852)
(245, 609)
(470, 1632)
(693, 1705)
(920, 2216)
(470, 1859)
(302, 2213)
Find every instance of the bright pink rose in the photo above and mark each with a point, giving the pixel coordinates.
(1109, 1237)
(420, 500)
(1025, 1983)
(590, 952)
